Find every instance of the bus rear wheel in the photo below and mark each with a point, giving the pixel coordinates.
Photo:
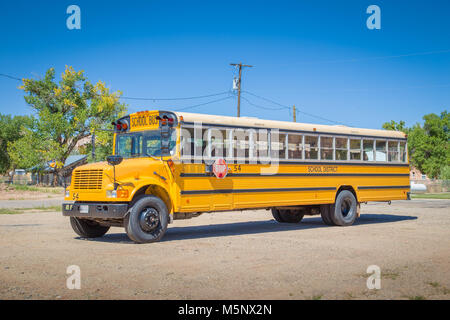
(87, 228)
(325, 212)
(147, 221)
(345, 210)
(287, 216)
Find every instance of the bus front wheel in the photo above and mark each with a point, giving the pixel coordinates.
(87, 228)
(147, 220)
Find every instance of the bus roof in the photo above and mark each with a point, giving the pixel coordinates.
(286, 125)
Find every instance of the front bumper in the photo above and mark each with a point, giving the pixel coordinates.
(94, 210)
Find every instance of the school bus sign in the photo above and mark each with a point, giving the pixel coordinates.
(141, 120)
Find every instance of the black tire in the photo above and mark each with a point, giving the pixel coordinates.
(87, 228)
(147, 221)
(344, 211)
(325, 211)
(276, 215)
(288, 216)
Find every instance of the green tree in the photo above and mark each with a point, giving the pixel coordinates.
(400, 126)
(11, 129)
(66, 112)
(428, 145)
(22, 152)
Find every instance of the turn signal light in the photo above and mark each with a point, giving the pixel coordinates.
(171, 165)
(122, 193)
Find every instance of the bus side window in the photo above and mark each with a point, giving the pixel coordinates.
(326, 148)
(368, 150)
(381, 150)
(355, 149)
(393, 151)
(295, 146)
(187, 142)
(403, 151)
(261, 144)
(218, 147)
(341, 148)
(278, 148)
(311, 147)
(241, 144)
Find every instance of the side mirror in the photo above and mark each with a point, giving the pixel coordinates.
(114, 160)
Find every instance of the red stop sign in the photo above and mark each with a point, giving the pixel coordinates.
(220, 168)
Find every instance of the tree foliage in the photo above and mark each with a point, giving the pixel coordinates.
(11, 129)
(428, 145)
(66, 112)
(400, 126)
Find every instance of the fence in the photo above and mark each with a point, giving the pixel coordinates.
(433, 186)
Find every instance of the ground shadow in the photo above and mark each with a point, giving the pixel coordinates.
(250, 227)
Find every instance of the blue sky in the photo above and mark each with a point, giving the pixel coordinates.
(318, 55)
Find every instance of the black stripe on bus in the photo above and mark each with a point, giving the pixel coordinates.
(295, 131)
(255, 190)
(198, 175)
(347, 163)
(362, 164)
(383, 187)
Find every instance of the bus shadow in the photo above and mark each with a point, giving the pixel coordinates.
(249, 227)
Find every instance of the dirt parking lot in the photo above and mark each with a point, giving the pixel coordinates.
(235, 255)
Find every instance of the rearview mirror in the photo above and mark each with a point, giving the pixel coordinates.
(114, 160)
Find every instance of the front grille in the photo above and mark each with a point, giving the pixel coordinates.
(87, 179)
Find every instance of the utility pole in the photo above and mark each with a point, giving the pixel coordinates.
(240, 66)
(295, 113)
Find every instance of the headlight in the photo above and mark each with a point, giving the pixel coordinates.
(111, 193)
(67, 193)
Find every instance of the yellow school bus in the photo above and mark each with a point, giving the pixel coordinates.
(175, 165)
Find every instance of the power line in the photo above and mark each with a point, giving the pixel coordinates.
(297, 110)
(142, 98)
(10, 77)
(202, 104)
(261, 107)
(184, 98)
(193, 106)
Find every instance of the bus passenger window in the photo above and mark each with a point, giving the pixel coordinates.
(355, 149)
(241, 144)
(187, 142)
(393, 151)
(218, 147)
(381, 151)
(341, 148)
(261, 149)
(203, 144)
(278, 148)
(295, 146)
(326, 148)
(402, 151)
(368, 150)
(311, 147)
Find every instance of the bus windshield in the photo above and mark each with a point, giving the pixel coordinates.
(140, 144)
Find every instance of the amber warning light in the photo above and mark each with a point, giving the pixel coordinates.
(120, 126)
(164, 120)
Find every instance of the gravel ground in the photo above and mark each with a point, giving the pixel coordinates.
(235, 255)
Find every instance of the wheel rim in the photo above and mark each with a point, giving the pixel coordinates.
(148, 219)
(346, 207)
